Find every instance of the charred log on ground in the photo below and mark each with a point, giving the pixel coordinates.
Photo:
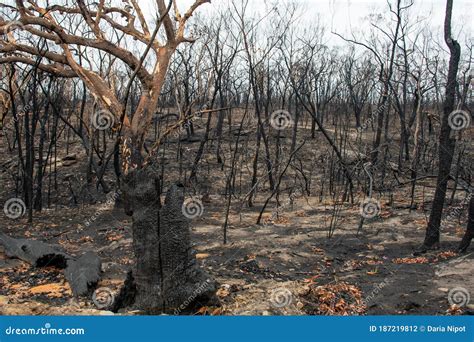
(82, 273)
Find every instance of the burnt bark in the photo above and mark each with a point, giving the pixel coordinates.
(82, 273)
(469, 235)
(447, 142)
(166, 276)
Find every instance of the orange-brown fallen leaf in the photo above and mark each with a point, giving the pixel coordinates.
(85, 239)
(202, 256)
(318, 250)
(418, 260)
(54, 290)
(202, 311)
(16, 286)
(334, 299)
(385, 214)
(420, 222)
(216, 312)
(222, 292)
(282, 220)
(115, 237)
(312, 279)
(447, 255)
(454, 310)
(301, 213)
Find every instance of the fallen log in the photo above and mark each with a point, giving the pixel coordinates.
(82, 273)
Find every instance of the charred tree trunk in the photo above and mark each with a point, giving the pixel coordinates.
(447, 143)
(469, 235)
(166, 276)
(165, 272)
(358, 114)
(417, 146)
(202, 145)
(219, 127)
(382, 112)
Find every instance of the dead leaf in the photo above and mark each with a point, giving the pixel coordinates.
(200, 256)
(216, 312)
(222, 292)
(301, 213)
(115, 237)
(282, 220)
(54, 290)
(454, 310)
(447, 255)
(85, 239)
(418, 260)
(202, 311)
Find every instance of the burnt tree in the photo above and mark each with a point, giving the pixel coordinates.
(447, 141)
(164, 274)
(469, 235)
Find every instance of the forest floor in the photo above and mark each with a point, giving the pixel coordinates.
(259, 263)
(287, 266)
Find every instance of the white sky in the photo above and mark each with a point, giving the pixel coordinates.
(343, 16)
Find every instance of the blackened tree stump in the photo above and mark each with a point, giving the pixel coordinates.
(166, 277)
